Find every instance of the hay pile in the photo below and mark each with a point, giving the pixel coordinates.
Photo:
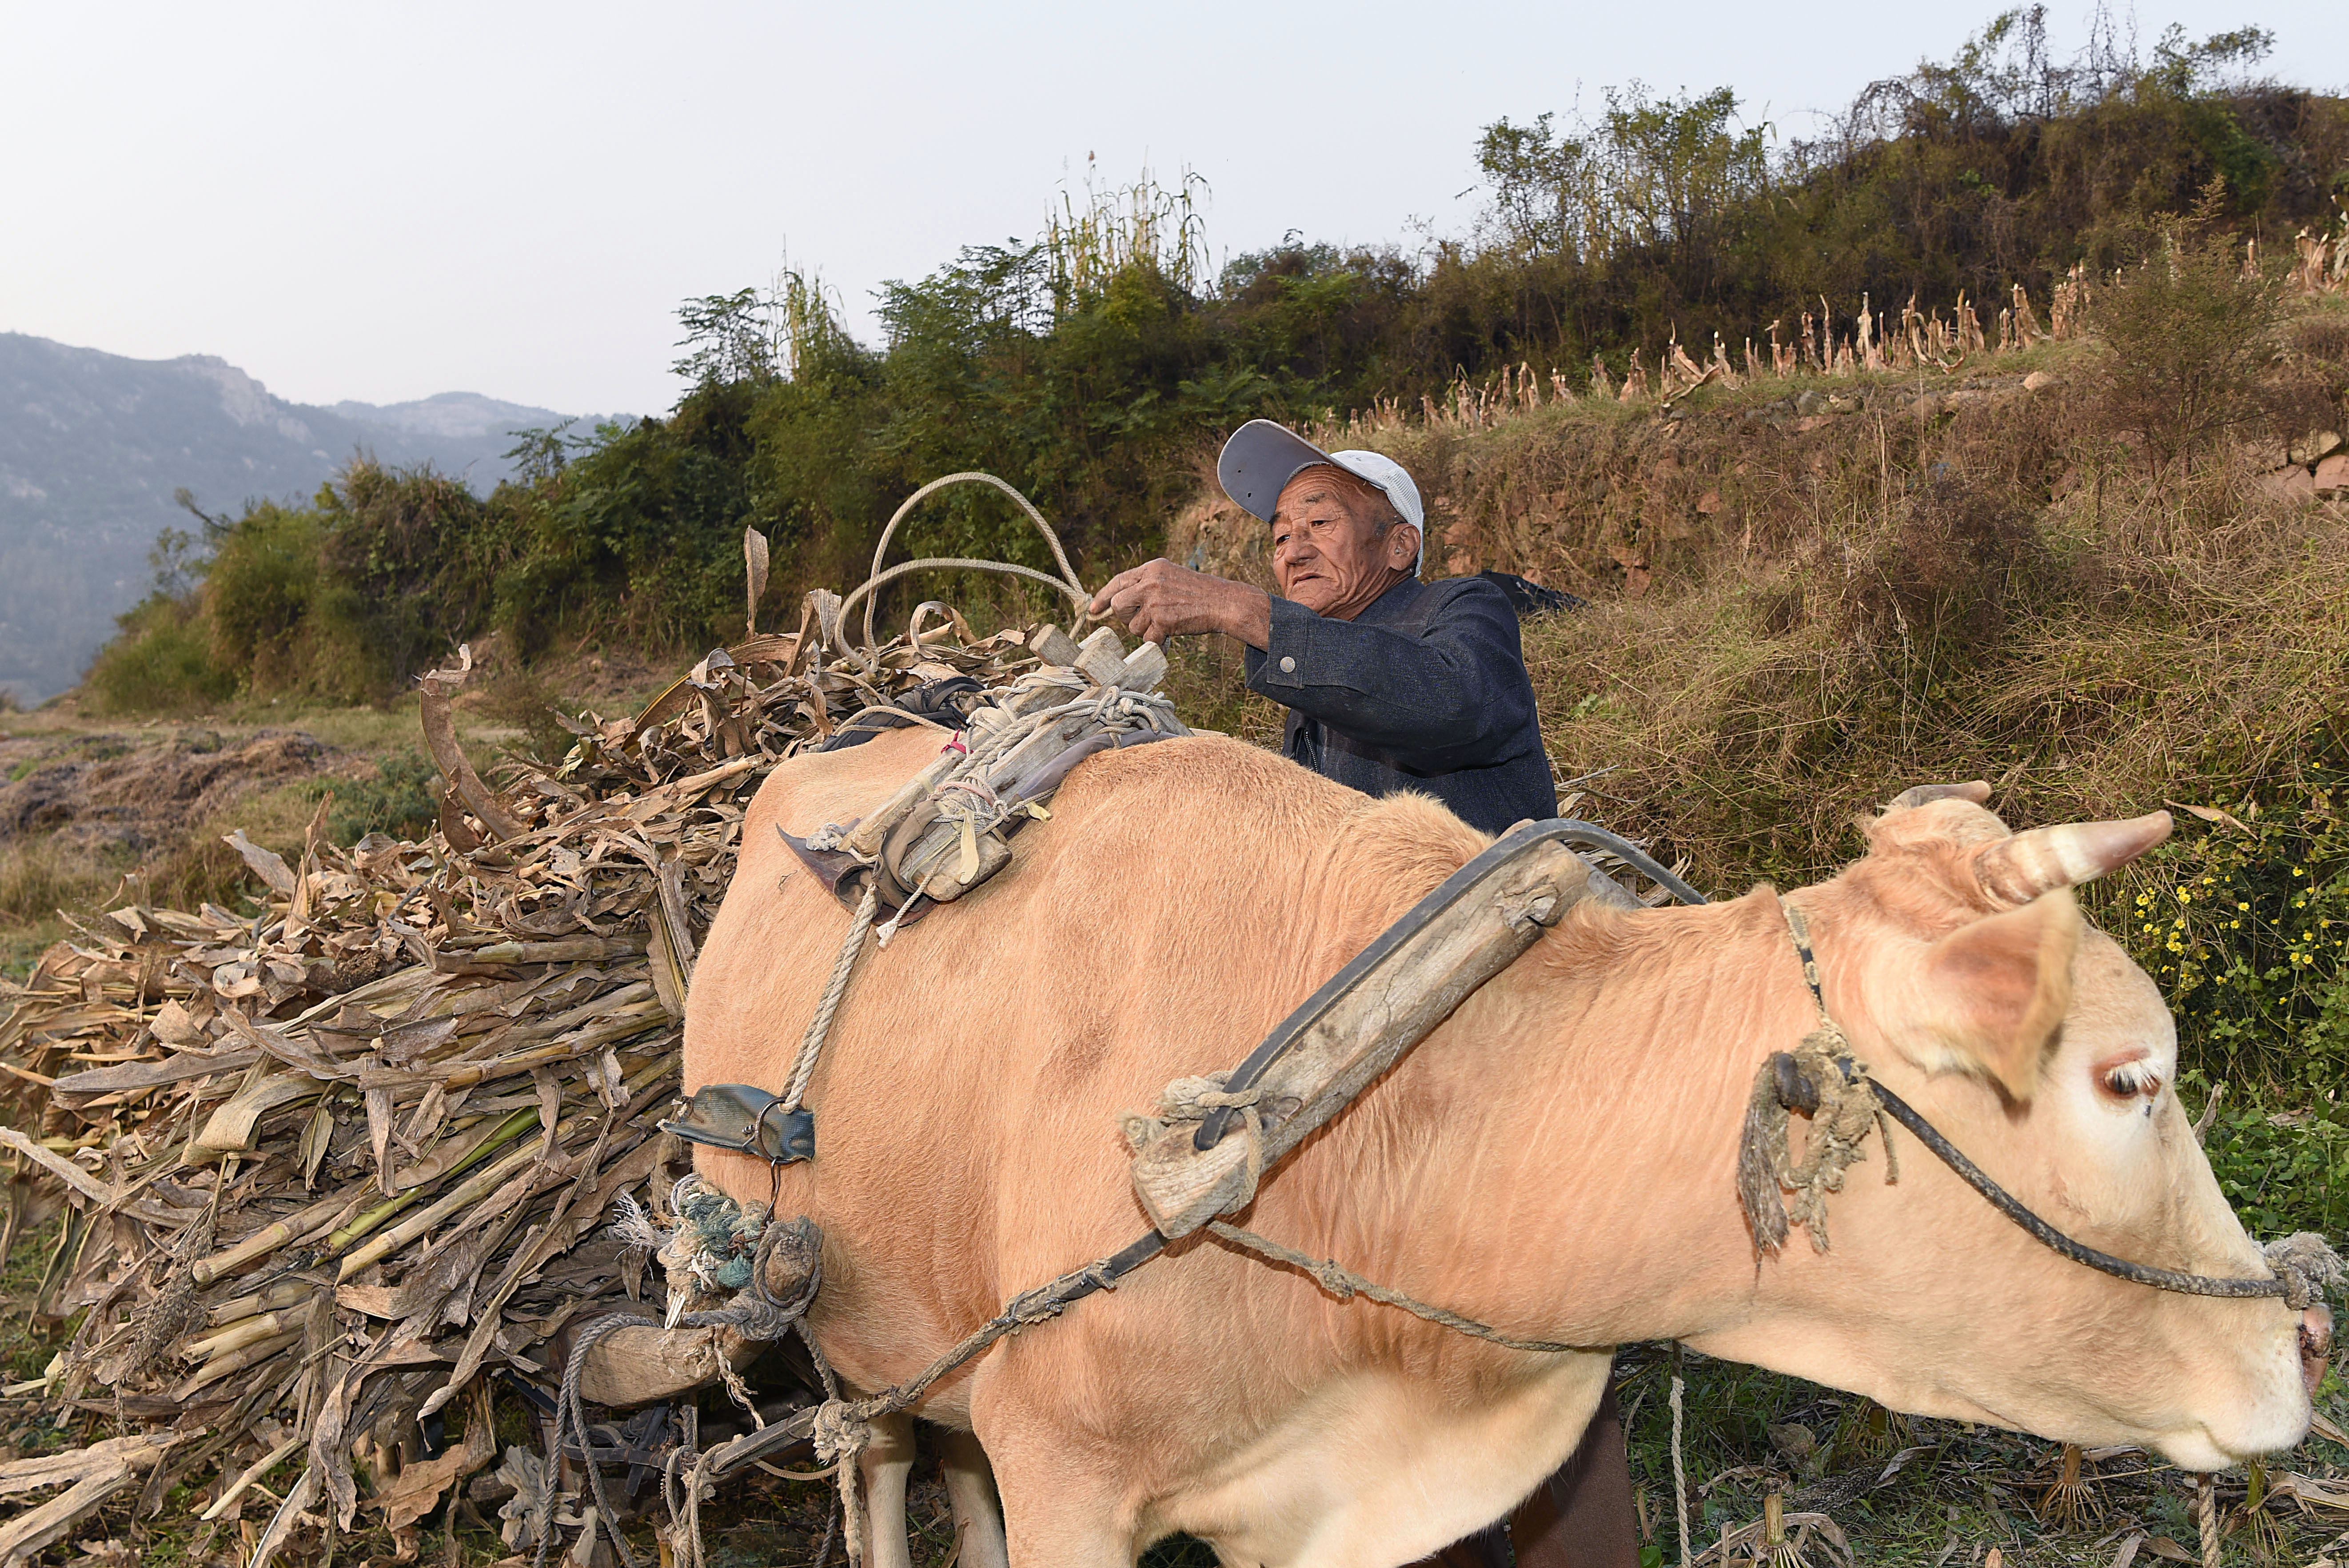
(329, 1167)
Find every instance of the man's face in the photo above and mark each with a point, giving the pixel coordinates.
(1328, 551)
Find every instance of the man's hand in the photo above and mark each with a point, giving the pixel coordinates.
(1159, 599)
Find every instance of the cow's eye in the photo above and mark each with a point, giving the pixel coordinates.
(2132, 1080)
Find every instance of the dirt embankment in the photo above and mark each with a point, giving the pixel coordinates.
(134, 792)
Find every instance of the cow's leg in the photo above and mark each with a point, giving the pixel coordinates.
(970, 1487)
(887, 1462)
(1058, 1512)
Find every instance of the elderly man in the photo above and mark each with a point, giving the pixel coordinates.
(1393, 683)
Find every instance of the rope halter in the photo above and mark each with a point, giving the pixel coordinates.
(1821, 1078)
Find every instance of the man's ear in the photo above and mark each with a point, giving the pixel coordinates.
(1404, 543)
(1989, 998)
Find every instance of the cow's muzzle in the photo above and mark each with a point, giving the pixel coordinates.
(2315, 1344)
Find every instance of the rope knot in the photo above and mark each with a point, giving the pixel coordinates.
(1050, 1301)
(842, 1435)
(980, 803)
(1190, 1099)
(1819, 1077)
(2308, 1267)
(842, 1432)
(1338, 1281)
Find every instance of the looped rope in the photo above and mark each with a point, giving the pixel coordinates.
(1067, 583)
(983, 800)
(1844, 1108)
(796, 1248)
(1193, 1100)
(2308, 1266)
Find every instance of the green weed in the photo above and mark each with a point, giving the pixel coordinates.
(402, 800)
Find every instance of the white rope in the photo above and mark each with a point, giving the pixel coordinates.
(1068, 584)
(821, 1025)
(1680, 1479)
(2206, 1500)
(1076, 593)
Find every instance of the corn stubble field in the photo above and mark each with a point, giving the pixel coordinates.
(2093, 546)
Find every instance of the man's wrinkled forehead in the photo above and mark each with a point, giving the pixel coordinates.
(1321, 484)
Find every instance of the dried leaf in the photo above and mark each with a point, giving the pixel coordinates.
(315, 1138)
(2211, 813)
(98, 1473)
(58, 1165)
(415, 1491)
(754, 557)
(266, 864)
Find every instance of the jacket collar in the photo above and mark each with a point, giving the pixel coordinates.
(1393, 602)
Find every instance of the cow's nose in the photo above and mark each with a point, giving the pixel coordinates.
(2315, 1343)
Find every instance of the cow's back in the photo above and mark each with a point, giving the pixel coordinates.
(1183, 896)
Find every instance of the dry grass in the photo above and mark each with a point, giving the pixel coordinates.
(1748, 716)
(1797, 614)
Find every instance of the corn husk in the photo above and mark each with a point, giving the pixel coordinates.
(329, 1165)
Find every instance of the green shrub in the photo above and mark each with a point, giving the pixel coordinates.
(259, 591)
(161, 661)
(403, 800)
(2188, 329)
(2243, 922)
(2284, 1163)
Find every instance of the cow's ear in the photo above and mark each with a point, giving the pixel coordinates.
(1993, 994)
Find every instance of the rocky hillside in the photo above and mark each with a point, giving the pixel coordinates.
(93, 446)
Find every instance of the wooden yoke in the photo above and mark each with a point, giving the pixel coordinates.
(1354, 1028)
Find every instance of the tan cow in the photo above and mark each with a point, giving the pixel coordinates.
(1557, 1159)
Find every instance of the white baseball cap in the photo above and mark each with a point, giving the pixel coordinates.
(1261, 458)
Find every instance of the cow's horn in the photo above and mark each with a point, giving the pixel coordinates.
(1920, 795)
(2013, 872)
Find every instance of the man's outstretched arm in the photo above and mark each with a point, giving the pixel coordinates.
(1159, 599)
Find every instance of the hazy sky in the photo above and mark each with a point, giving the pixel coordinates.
(383, 201)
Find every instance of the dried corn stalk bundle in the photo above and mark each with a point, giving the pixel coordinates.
(328, 1165)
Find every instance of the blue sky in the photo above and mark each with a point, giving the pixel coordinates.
(382, 202)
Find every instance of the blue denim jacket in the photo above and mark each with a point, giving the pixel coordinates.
(1427, 690)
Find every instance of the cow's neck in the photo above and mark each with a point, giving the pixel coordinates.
(1559, 1158)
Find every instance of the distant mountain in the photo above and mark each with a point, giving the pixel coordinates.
(92, 445)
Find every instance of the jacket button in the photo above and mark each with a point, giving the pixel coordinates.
(1287, 665)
